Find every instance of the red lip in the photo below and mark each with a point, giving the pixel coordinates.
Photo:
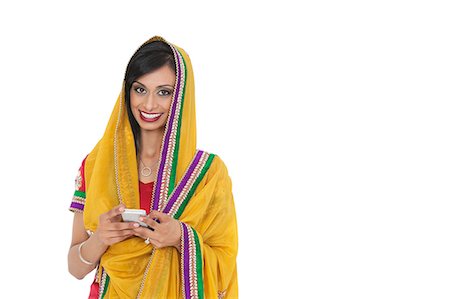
(148, 119)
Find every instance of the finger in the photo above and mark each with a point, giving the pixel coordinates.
(117, 218)
(150, 222)
(114, 226)
(144, 233)
(117, 210)
(160, 216)
(119, 233)
(110, 214)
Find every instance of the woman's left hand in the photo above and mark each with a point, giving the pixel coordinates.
(165, 233)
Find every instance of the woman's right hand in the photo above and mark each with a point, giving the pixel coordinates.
(111, 229)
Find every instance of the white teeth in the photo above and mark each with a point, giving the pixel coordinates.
(146, 115)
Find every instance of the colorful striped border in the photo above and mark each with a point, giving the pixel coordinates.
(169, 154)
(189, 182)
(103, 285)
(78, 201)
(191, 264)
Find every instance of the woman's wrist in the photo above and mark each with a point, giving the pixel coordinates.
(92, 249)
(80, 255)
(98, 243)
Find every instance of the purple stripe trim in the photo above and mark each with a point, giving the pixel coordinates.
(76, 205)
(187, 259)
(183, 182)
(168, 133)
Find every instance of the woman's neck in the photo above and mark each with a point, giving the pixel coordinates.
(150, 144)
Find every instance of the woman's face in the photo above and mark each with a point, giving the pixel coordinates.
(150, 98)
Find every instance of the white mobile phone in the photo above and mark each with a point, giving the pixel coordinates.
(132, 215)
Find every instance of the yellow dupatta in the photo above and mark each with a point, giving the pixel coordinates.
(192, 186)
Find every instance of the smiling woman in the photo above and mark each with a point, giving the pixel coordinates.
(147, 159)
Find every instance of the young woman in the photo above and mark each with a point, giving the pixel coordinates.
(147, 159)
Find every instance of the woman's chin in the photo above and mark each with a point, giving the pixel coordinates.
(152, 127)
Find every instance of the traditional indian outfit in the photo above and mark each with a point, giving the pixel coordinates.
(191, 185)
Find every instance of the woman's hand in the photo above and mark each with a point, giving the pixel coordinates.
(165, 233)
(111, 229)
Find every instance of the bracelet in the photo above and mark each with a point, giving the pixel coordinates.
(79, 255)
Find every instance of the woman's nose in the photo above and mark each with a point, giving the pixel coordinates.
(150, 102)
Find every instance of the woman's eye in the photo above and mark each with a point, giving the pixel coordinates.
(164, 92)
(139, 90)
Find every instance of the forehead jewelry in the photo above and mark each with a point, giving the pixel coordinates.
(146, 171)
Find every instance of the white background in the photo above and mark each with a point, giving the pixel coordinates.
(332, 118)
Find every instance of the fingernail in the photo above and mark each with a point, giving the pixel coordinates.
(136, 225)
(121, 209)
(141, 218)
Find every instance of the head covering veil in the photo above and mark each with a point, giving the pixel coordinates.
(192, 186)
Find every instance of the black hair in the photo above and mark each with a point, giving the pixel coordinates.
(149, 57)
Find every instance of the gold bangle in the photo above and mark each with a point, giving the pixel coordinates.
(81, 258)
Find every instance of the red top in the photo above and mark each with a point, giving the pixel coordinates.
(145, 194)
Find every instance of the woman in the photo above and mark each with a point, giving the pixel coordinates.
(147, 159)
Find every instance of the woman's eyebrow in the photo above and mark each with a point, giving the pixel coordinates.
(165, 85)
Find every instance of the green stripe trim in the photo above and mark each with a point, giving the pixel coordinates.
(177, 138)
(80, 194)
(194, 186)
(106, 286)
(199, 266)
